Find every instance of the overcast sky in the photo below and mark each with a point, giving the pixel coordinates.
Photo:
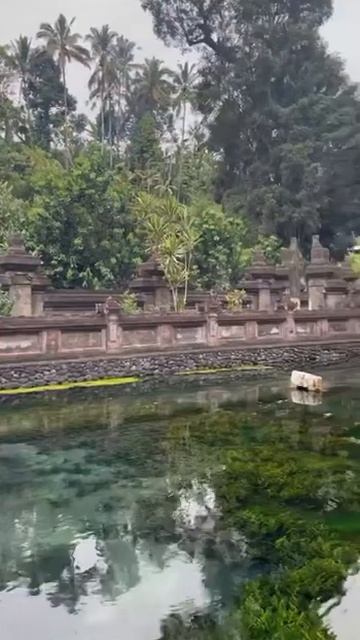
(127, 17)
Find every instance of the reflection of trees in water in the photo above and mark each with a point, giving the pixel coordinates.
(200, 626)
(60, 495)
(115, 574)
(124, 489)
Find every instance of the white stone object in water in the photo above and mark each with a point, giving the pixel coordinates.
(306, 381)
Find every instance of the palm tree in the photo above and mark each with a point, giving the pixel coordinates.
(184, 86)
(103, 77)
(123, 59)
(22, 55)
(153, 86)
(63, 44)
(8, 112)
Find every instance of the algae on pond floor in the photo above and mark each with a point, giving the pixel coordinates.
(67, 386)
(217, 523)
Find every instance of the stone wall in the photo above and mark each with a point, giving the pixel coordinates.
(112, 333)
(99, 345)
(156, 366)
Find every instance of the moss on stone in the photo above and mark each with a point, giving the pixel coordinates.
(66, 386)
(215, 370)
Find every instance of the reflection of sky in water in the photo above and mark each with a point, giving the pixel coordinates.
(135, 615)
(105, 544)
(126, 583)
(104, 531)
(344, 618)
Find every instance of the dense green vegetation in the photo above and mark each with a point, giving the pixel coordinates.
(259, 140)
(281, 486)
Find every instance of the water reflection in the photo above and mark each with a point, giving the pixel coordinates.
(94, 524)
(105, 530)
(306, 398)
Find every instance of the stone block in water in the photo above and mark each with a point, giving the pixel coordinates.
(306, 382)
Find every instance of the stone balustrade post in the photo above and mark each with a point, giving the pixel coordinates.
(163, 299)
(38, 303)
(289, 328)
(316, 288)
(212, 330)
(113, 332)
(165, 336)
(251, 330)
(265, 303)
(52, 340)
(20, 293)
(112, 310)
(322, 327)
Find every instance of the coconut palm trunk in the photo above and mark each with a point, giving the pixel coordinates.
(110, 132)
(62, 43)
(66, 112)
(102, 101)
(181, 156)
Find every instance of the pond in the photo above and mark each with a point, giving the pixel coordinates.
(181, 514)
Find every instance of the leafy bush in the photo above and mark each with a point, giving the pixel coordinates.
(235, 299)
(129, 303)
(5, 304)
(11, 213)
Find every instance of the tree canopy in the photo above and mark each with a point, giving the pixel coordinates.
(260, 138)
(279, 110)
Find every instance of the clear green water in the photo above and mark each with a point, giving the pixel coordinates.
(112, 520)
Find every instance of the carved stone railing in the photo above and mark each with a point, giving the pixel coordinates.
(111, 333)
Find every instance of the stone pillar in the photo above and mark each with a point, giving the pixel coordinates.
(265, 303)
(111, 310)
(336, 294)
(212, 332)
(289, 328)
(251, 330)
(38, 303)
(113, 336)
(322, 328)
(165, 335)
(20, 293)
(318, 273)
(52, 341)
(163, 299)
(316, 288)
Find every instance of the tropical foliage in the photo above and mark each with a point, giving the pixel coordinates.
(258, 141)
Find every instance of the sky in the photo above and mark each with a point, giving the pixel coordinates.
(127, 18)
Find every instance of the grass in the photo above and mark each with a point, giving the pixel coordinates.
(66, 386)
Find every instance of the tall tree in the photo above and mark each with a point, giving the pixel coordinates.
(153, 87)
(123, 56)
(62, 43)
(145, 149)
(49, 109)
(22, 54)
(184, 81)
(102, 80)
(278, 107)
(11, 117)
